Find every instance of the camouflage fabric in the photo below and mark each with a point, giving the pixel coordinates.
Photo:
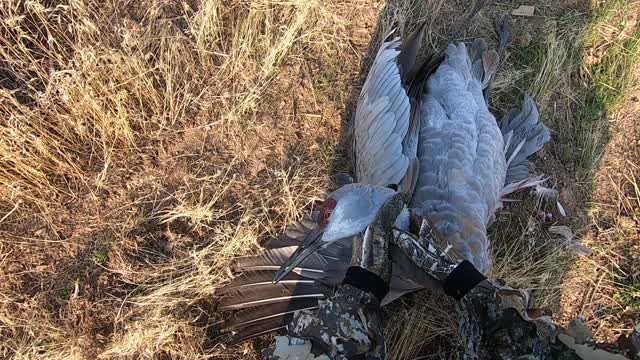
(346, 326)
(499, 322)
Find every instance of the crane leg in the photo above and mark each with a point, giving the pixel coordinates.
(502, 27)
(503, 31)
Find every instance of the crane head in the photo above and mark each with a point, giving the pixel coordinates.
(347, 211)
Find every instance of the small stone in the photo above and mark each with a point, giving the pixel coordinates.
(627, 223)
(548, 217)
(525, 39)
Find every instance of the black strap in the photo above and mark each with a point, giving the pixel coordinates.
(366, 281)
(462, 279)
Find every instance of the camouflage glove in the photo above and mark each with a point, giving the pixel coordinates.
(431, 252)
(497, 321)
(348, 325)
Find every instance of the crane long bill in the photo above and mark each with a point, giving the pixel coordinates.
(308, 246)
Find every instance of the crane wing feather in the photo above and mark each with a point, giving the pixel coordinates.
(382, 119)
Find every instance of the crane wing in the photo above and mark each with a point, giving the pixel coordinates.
(385, 132)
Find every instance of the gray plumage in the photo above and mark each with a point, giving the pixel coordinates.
(524, 135)
(462, 165)
(428, 129)
(385, 135)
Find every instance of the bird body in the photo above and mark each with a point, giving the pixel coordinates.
(426, 128)
(461, 154)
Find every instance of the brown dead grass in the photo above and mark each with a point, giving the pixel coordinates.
(144, 144)
(604, 288)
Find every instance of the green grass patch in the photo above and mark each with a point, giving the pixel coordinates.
(101, 256)
(62, 294)
(629, 295)
(611, 78)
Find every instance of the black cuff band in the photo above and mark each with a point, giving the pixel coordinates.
(366, 281)
(462, 279)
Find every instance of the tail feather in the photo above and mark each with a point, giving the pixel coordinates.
(258, 329)
(323, 264)
(524, 135)
(270, 257)
(484, 62)
(408, 53)
(252, 279)
(521, 184)
(257, 306)
(406, 277)
(252, 316)
(266, 294)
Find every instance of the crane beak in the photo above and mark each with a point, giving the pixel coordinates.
(308, 246)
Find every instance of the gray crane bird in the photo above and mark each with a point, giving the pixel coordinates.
(425, 127)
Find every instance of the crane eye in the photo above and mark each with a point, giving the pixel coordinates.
(325, 212)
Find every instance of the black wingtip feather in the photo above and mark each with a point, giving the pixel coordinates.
(409, 51)
(257, 306)
(251, 316)
(263, 328)
(252, 279)
(270, 294)
(275, 257)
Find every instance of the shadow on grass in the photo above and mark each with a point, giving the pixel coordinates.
(546, 59)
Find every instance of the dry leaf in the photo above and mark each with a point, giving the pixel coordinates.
(524, 10)
(490, 62)
(570, 239)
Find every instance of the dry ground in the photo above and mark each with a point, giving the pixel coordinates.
(145, 143)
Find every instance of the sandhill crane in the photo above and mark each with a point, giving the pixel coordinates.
(426, 128)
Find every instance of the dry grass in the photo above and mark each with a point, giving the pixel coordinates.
(142, 148)
(145, 143)
(604, 287)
